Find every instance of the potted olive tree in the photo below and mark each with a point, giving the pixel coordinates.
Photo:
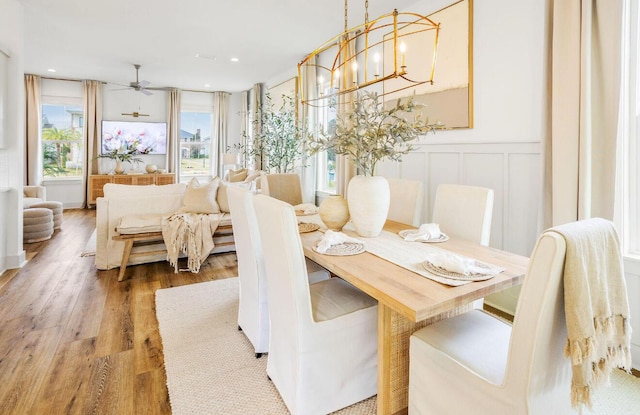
(370, 133)
(280, 138)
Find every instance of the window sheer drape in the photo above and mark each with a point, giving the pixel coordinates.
(308, 174)
(92, 107)
(220, 128)
(586, 70)
(173, 133)
(345, 168)
(33, 118)
(255, 107)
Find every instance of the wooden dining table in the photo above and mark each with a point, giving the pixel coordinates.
(408, 301)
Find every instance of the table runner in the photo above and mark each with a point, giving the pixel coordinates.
(393, 248)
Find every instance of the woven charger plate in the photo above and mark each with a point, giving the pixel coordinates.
(344, 249)
(441, 272)
(442, 238)
(304, 227)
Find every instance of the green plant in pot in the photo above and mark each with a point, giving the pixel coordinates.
(280, 137)
(120, 156)
(371, 132)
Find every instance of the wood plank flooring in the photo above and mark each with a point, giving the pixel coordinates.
(74, 340)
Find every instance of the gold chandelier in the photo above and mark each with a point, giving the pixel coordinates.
(340, 75)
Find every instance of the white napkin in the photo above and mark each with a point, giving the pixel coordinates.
(306, 208)
(425, 232)
(331, 238)
(456, 263)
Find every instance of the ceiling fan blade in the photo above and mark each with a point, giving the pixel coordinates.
(142, 84)
(144, 91)
(160, 88)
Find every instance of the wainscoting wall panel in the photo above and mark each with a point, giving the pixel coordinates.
(512, 170)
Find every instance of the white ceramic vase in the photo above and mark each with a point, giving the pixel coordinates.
(368, 199)
(334, 212)
(119, 169)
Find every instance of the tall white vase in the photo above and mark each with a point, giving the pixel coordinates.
(368, 199)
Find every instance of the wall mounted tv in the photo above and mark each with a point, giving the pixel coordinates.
(135, 137)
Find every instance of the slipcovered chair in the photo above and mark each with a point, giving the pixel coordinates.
(464, 212)
(475, 363)
(253, 315)
(33, 195)
(406, 198)
(323, 343)
(282, 186)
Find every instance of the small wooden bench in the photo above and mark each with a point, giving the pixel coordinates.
(149, 238)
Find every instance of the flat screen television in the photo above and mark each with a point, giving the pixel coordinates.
(136, 137)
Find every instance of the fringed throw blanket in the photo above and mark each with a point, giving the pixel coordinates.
(191, 233)
(596, 306)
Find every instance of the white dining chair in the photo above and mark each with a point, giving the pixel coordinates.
(283, 186)
(406, 199)
(475, 363)
(253, 314)
(323, 343)
(464, 212)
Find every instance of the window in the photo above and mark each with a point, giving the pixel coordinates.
(195, 144)
(62, 142)
(327, 159)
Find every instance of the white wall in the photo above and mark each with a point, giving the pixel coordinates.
(12, 152)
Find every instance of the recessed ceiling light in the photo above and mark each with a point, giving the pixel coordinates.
(202, 56)
(51, 70)
(207, 86)
(234, 59)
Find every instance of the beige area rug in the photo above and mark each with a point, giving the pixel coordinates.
(211, 368)
(90, 247)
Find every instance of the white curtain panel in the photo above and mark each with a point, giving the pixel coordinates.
(586, 72)
(255, 104)
(244, 124)
(345, 168)
(220, 128)
(92, 107)
(308, 174)
(33, 162)
(173, 133)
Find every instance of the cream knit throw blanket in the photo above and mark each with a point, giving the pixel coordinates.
(191, 233)
(596, 306)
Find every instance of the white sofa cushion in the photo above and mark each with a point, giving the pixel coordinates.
(113, 190)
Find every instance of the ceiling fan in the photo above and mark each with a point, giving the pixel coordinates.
(141, 86)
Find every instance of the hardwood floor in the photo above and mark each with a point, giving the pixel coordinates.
(74, 340)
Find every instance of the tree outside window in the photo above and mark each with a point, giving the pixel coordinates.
(62, 143)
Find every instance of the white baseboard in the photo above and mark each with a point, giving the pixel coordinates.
(16, 261)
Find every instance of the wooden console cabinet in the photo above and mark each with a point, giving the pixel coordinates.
(97, 181)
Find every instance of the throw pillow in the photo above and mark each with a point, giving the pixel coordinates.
(223, 201)
(201, 198)
(238, 175)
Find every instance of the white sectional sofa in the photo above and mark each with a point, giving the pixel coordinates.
(147, 205)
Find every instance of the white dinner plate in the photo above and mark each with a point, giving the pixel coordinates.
(443, 236)
(441, 272)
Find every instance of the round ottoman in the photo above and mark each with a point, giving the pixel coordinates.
(56, 208)
(38, 224)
